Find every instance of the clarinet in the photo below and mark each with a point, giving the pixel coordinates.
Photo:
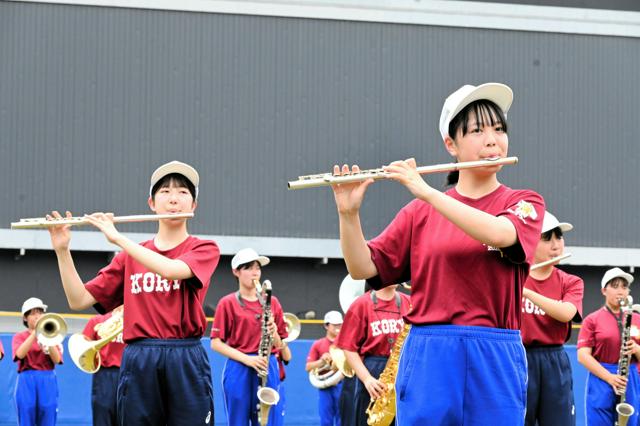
(624, 409)
(266, 396)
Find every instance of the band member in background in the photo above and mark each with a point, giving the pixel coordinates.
(104, 382)
(37, 386)
(599, 348)
(236, 334)
(552, 299)
(467, 252)
(283, 357)
(368, 333)
(162, 283)
(319, 359)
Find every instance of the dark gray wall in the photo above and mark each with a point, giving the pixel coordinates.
(93, 98)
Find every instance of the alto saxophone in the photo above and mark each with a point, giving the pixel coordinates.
(382, 411)
(266, 396)
(624, 409)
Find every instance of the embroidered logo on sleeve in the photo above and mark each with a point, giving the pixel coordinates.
(523, 210)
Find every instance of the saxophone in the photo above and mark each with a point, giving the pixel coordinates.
(266, 396)
(382, 411)
(624, 409)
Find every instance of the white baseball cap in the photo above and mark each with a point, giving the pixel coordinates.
(247, 255)
(333, 317)
(31, 303)
(615, 273)
(175, 167)
(550, 222)
(498, 93)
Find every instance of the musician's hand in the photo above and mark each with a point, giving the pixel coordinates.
(631, 348)
(60, 235)
(618, 383)
(272, 329)
(349, 196)
(326, 357)
(375, 387)
(104, 222)
(257, 363)
(405, 173)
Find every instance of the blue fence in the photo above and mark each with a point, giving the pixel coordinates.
(75, 388)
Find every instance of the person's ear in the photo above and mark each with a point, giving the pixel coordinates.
(450, 146)
(152, 204)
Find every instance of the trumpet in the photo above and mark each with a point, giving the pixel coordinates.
(50, 330)
(326, 179)
(550, 261)
(43, 222)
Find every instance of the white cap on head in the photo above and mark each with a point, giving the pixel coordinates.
(550, 222)
(32, 303)
(175, 167)
(615, 273)
(498, 93)
(333, 317)
(247, 255)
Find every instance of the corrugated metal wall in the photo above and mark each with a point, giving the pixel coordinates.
(92, 99)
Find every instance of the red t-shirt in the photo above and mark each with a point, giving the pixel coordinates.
(319, 348)
(454, 278)
(600, 332)
(111, 354)
(155, 307)
(241, 326)
(36, 359)
(369, 329)
(538, 328)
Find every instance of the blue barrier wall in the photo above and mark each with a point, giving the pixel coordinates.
(75, 388)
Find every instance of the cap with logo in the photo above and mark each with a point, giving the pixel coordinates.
(498, 93)
(175, 167)
(247, 255)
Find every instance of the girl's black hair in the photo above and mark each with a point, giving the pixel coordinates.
(178, 180)
(248, 265)
(546, 236)
(485, 112)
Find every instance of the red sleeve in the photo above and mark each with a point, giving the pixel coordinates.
(314, 353)
(586, 338)
(202, 259)
(526, 211)
(17, 340)
(573, 293)
(355, 326)
(405, 304)
(390, 251)
(278, 317)
(108, 286)
(223, 320)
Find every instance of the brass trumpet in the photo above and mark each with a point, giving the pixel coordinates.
(43, 222)
(50, 330)
(326, 179)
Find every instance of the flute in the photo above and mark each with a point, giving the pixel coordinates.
(550, 261)
(43, 222)
(326, 179)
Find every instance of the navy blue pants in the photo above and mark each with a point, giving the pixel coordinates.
(329, 405)
(375, 365)
(347, 398)
(165, 382)
(240, 387)
(36, 397)
(550, 389)
(461, 375)
(600, 400)
(104, 396)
